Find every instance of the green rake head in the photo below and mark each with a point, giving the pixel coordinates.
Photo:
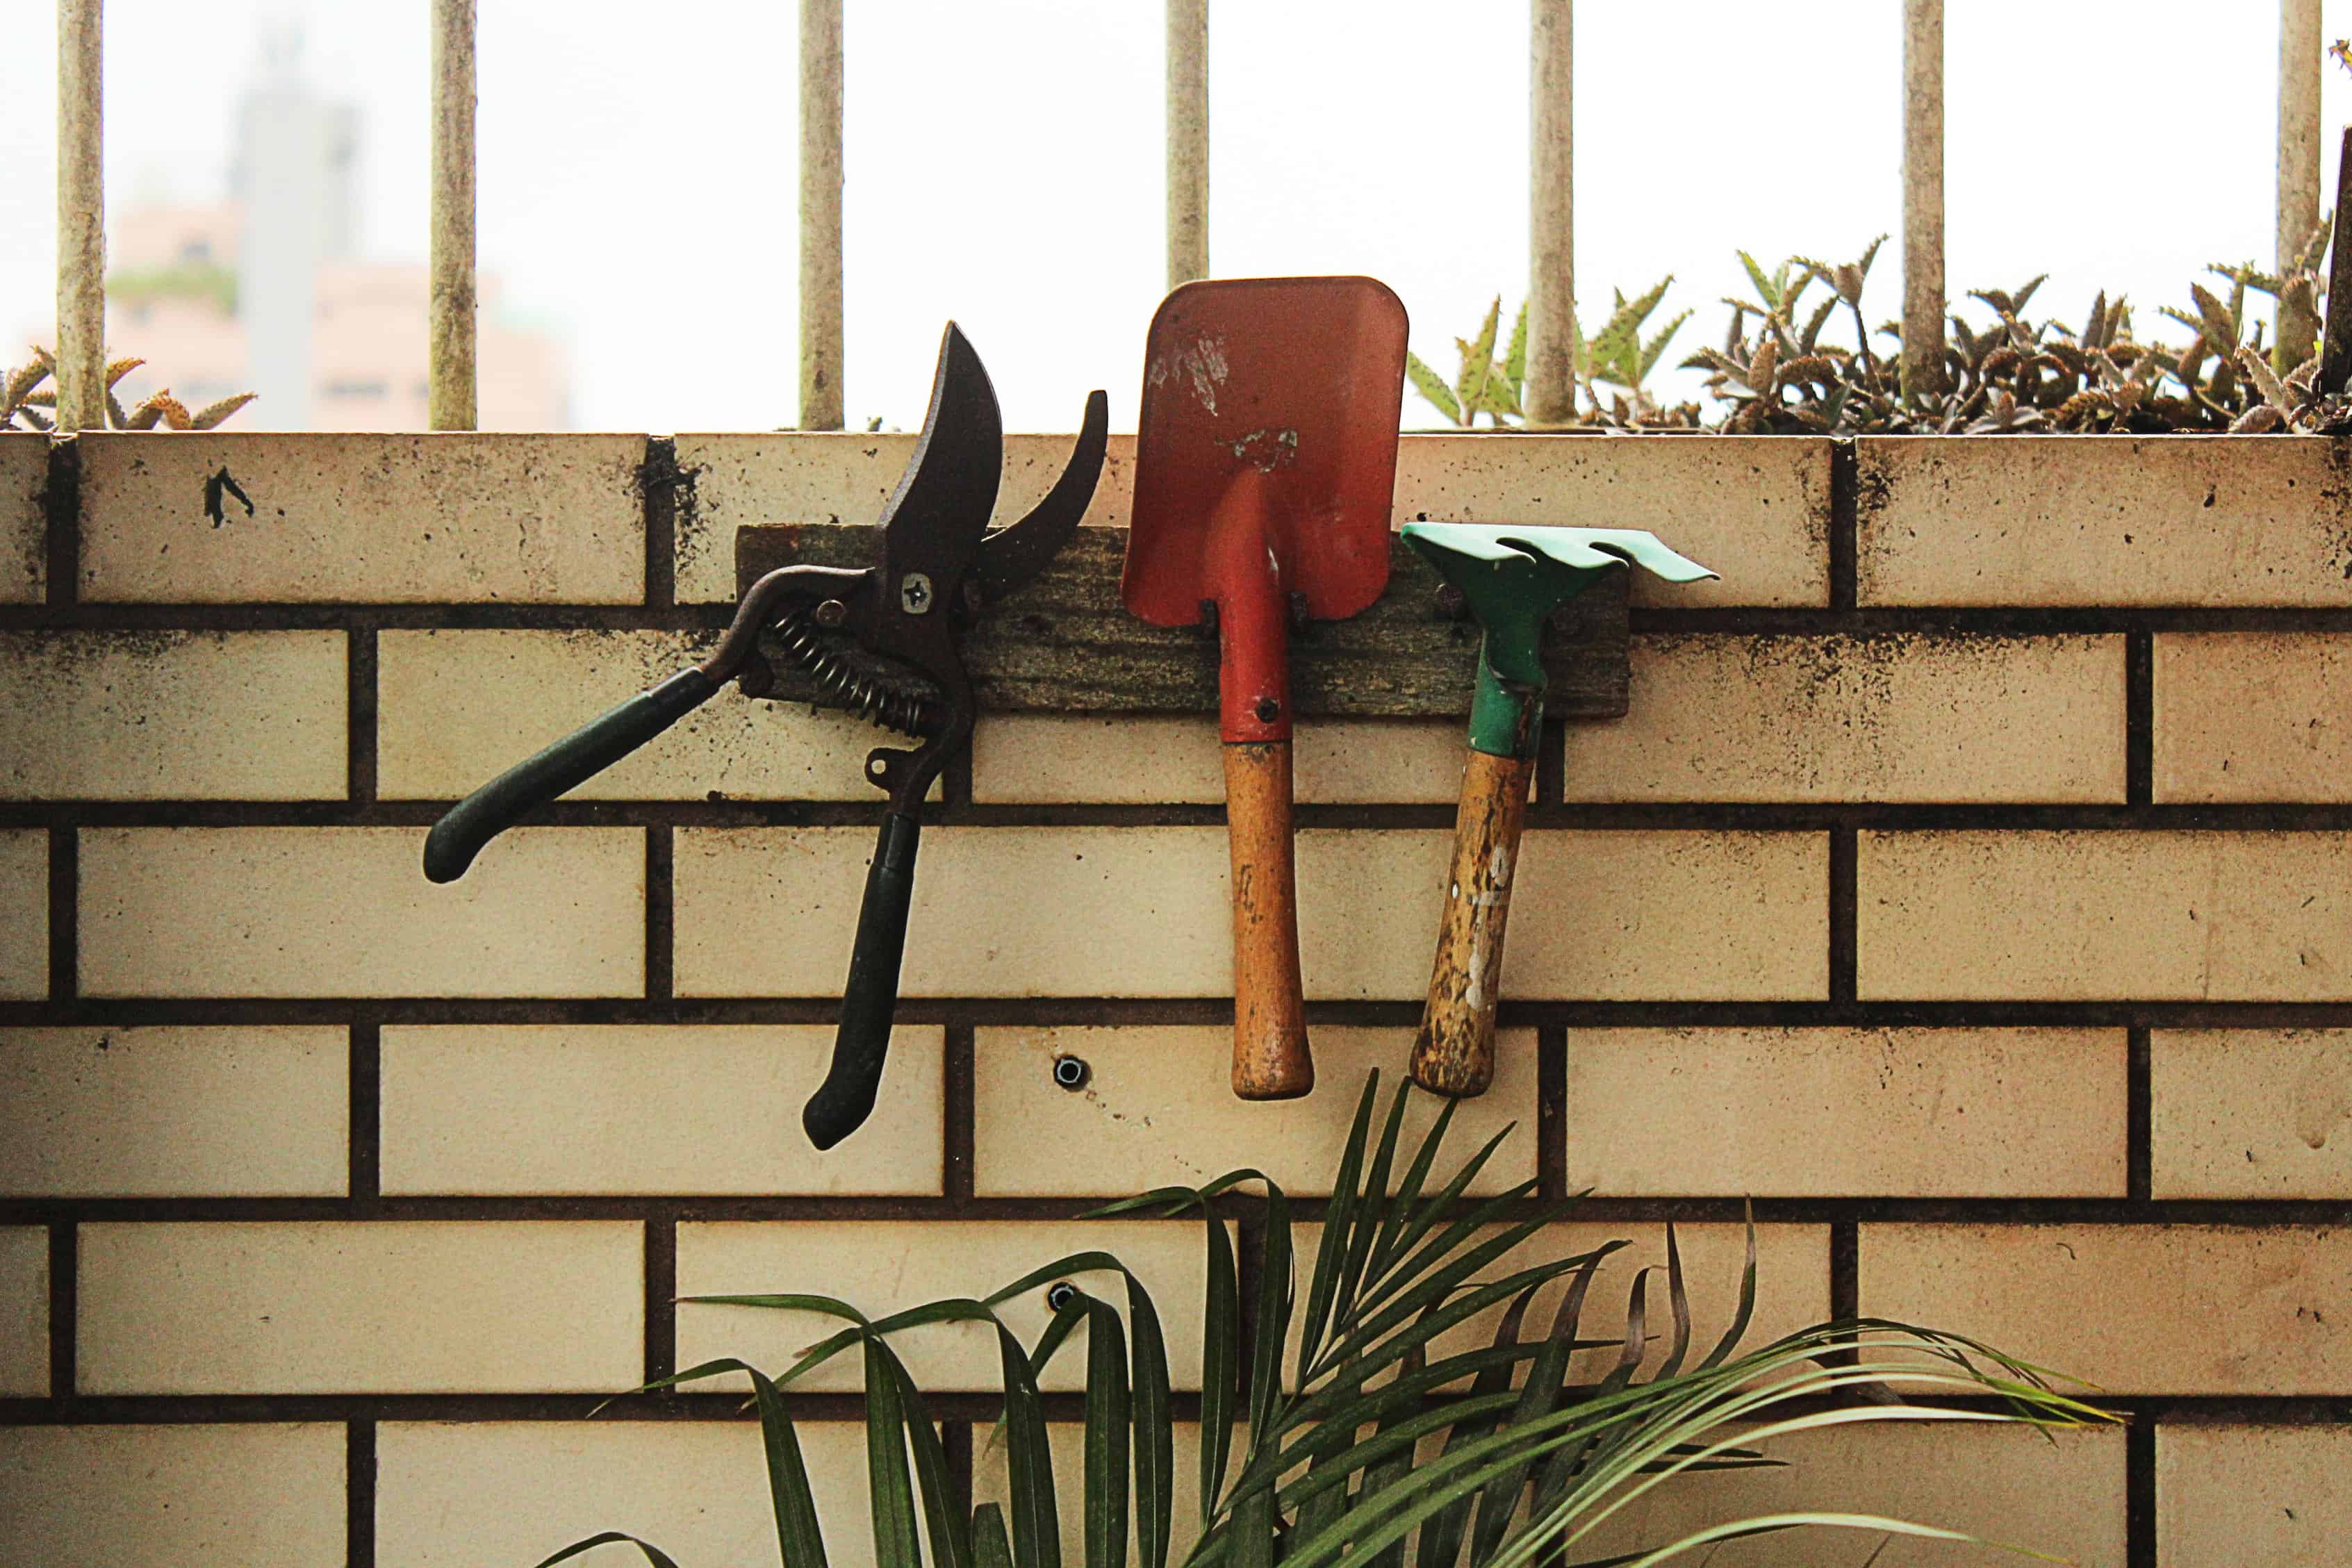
(1514, 577)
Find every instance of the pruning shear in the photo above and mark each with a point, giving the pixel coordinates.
(937, 567)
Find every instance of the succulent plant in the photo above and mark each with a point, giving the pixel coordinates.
(23, 397)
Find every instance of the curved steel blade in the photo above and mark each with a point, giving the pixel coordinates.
(1019, 551)
(934, 521)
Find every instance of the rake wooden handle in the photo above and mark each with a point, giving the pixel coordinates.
(1454, 1053)
(1270, 1057)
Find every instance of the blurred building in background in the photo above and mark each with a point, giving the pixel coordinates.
(265, 292)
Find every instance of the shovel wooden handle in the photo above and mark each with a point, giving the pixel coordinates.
(1270, 1059)
(1454, 1053)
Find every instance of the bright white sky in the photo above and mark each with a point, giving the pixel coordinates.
(1003, 159)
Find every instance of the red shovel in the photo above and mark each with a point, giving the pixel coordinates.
(1265, 457)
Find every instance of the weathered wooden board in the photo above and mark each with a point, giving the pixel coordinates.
(1065, 644)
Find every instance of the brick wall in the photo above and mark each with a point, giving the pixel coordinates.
(1969, 886)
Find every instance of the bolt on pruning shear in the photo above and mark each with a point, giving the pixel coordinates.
(937, 567)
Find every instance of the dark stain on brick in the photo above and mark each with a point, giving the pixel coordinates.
(214, 487)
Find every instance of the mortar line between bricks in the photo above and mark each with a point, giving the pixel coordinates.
(65, 1306)
(359, 1493)
(2140, 1134)
(2139, 718)
(661, 913)
(1038, 1012)
(661, 1296)
(959, 1118)
(1551, 1111)
(1844, 529)
(360, 716)
(1845, 920)
(2107, 1212)
(64, 917)
(1430, 817)
(2282, 1409)
(657, 485)
(1986, 621)
(365, 1178)
(2140, 1545)
(61, 527)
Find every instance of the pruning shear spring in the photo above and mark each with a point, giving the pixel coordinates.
(938, 567)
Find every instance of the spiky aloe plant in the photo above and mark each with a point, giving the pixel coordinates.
(22, 397)
(1379, 1433)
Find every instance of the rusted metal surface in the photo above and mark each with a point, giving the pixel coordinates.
(81, 220)
(1188, 141)
(2298, 168)
(1923, 198)
(821, 297)
(450, 385)
(2335, 353)
(1549, 390)
(1062, 643)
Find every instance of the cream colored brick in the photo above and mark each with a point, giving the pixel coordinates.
(1792, 1284)
(1032, 758)
(2230, 1496)
(1141, 912)
(382, 1306)
(463, 1494)
(1067, 1441)
(24, 1311)
(133, 1497)
(997, 912)
(791, 476)
(2134, 1309)
(576, 1108)
(173, 716)
(881, 1266)
(308, 912)
(24, 915)
(23, 527)
(2253, 715)
(2061, 1495)
(383, 519)
(2219, 917)
(1756, 509)
(2252, 1112)
(1157, 1109)
(2140, 520)
(1903, 716)
(259, 1111)
(459, 707)
(1827, 1113)
(1613, 916)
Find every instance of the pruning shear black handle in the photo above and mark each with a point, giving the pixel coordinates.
(531, 783)
(869, 997)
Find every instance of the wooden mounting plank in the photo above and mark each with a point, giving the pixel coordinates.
(1065, 644)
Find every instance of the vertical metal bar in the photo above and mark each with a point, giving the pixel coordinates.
(81, 221)
(449, 398)
(1188, 141)
(821, 311)
(1549, 394)
(1923, 198)
(2298, 169)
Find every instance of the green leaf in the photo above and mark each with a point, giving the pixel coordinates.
(1764, 288)
(1220, 1367)
(944, 1524)
(1537, 1397)
(989, 1549)
(1105, 1498)
(1656, 348)
(1477, 358)
(887, 1482)
(1028, 1463)
(1747, 1309)
(1515, 359)
(1432, 389)
(653, 1554)
(1331, 1252)
(1408, 1194)
(1271, 1326)
(1441, 1538)
(800, 1543)
(1155, 1451)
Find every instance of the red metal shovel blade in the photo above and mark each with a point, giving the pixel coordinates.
(1297, 378)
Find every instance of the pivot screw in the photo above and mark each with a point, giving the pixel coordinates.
(1060, 1294)
(915, 593)
(1072, 1072)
